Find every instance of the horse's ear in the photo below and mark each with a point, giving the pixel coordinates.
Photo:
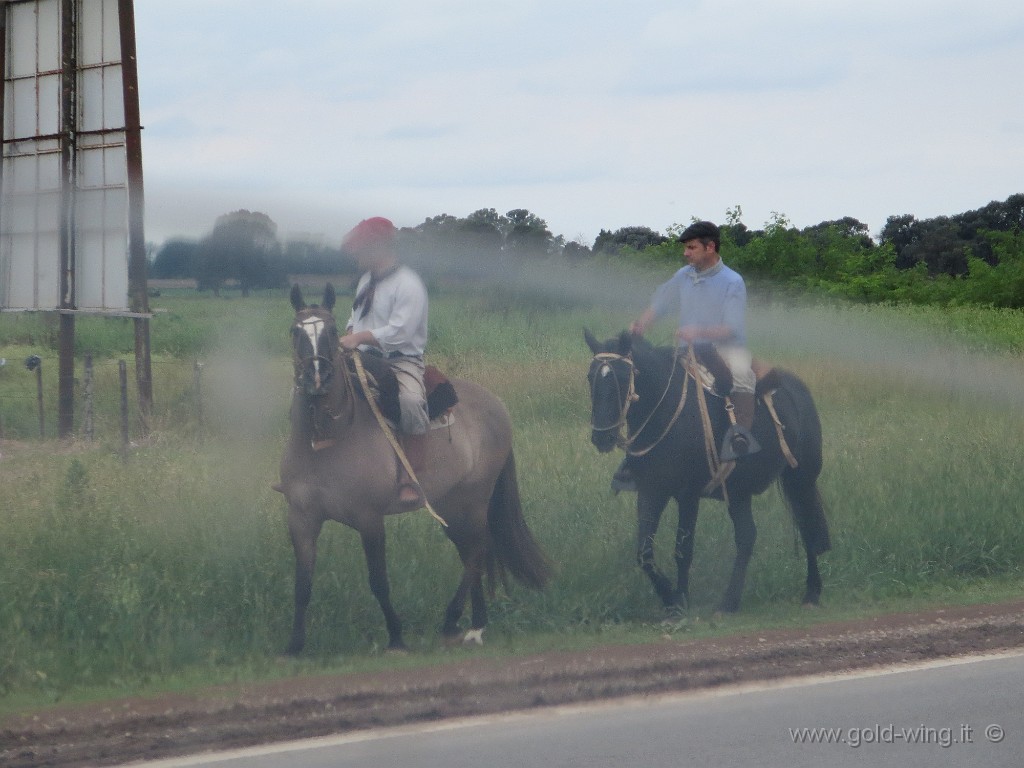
(594, 344)
(625, 343)
(297, 301)
(329, 297)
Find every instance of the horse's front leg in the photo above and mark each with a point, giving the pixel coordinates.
(377, 566)
(685, 532)
(649, 507)
(744, 534)
(304, 534)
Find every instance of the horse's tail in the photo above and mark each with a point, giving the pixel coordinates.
(515, 549)
(800, 483)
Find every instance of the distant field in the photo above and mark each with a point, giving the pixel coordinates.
(173, 565)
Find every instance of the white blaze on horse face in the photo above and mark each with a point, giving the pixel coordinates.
(605, 370)
(312, 328)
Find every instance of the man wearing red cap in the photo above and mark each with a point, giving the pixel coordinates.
(389, 315)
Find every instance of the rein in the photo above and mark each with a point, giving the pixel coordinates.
(629, 440)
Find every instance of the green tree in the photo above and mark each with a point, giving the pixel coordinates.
(1001, 285)
(576, 253)
(176, 259)
(528, 237)
(243, 247)
(632, 238)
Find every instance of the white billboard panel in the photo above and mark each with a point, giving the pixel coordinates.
(30, 195)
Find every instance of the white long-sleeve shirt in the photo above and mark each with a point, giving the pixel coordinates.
(398, 315)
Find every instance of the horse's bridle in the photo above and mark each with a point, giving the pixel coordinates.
(605, 359)
(626, 441)
(311, 326)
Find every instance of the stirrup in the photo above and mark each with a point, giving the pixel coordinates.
(737, 443)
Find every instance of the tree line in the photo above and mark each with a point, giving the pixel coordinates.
(976, 257)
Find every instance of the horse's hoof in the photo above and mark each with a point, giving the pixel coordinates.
(673, 615)
(473, 637)
(451, 640)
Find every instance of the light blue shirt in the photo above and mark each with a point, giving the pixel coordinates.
(716, 296)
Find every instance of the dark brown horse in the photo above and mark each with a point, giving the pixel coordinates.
(645, 390)
(339, 465)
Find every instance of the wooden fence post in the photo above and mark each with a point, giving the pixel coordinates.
(197, 385)
(122, 370)
(87, 418)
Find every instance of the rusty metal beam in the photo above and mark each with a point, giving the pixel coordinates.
(69, 170)
(137, 282)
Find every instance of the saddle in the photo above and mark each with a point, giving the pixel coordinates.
(714, 375)
(441, 396)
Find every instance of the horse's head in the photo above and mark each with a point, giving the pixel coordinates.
(314, 342)
(612, 379)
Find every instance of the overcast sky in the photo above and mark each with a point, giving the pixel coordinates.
(592, 115)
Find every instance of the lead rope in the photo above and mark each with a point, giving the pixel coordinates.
(719, 472)
(390, 435)
(766, 398)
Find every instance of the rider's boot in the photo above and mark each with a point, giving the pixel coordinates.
(739, 440)
(410, 495)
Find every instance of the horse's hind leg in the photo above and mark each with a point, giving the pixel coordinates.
(744, 534)
(805, 503)
(376, 563)
(304, 535)
(471, 585)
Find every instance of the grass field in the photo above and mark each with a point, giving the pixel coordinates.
(171, 566)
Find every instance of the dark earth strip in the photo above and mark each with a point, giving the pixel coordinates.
(241, 716)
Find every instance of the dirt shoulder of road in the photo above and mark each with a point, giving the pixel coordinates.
(229, 718)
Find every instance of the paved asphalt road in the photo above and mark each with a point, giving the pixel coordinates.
(968, 712)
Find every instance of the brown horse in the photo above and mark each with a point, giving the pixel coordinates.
(339, 465)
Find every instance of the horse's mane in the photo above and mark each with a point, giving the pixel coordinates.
(646, 354)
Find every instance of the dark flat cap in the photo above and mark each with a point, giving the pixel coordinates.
(700, 230)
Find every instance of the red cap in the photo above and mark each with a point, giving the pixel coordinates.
(369, 233)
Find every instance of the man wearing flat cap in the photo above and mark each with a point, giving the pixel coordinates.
(389, 316)
(711, 300)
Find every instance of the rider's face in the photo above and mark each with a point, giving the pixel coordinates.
(698, 255)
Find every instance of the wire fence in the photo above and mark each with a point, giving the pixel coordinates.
(106, 403)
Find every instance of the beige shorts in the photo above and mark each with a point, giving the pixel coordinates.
(412, 394)
(738, 359)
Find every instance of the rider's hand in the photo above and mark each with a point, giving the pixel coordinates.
(688, 334)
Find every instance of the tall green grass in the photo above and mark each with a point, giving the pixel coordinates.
(117, 572)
